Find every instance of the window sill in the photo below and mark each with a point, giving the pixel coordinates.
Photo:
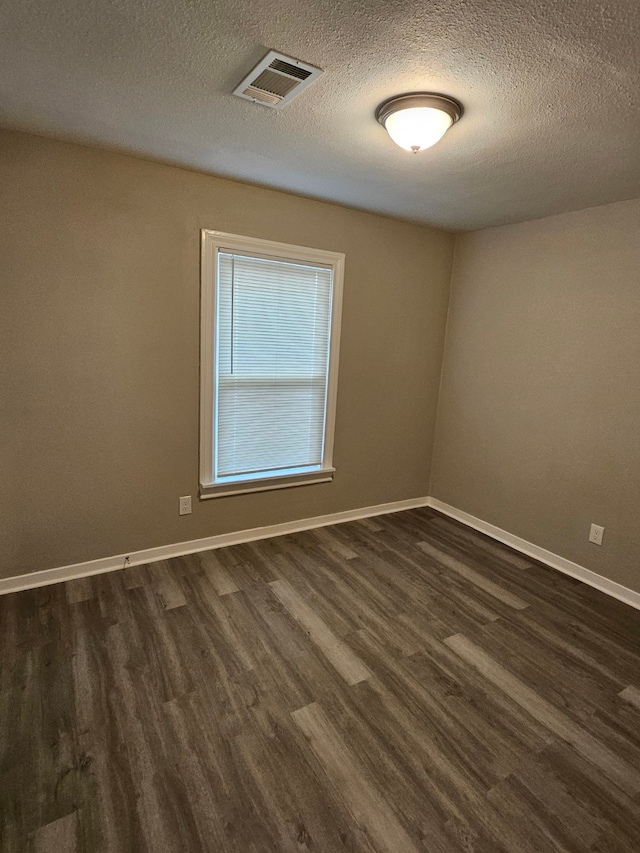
(222, 490)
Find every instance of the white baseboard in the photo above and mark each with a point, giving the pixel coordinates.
(164, 552)
(616, 590)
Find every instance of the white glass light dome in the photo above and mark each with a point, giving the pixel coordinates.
(419, 120)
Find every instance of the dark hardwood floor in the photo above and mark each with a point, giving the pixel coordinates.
(387, 686)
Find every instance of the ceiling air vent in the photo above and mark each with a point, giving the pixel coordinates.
(277, 80)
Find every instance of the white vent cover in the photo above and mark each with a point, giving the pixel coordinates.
(276, 80)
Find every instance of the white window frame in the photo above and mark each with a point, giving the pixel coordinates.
(213, 242)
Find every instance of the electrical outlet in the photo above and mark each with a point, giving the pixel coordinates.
(595, 534)
(185, 505)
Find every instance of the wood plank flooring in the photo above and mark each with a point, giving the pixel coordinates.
(392, 685)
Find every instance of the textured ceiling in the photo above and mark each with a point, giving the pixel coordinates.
(550, 90)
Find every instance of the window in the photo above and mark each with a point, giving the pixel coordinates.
(270, 325)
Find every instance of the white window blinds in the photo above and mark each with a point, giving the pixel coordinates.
(272, 344)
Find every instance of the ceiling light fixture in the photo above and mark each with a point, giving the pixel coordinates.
(418, 120)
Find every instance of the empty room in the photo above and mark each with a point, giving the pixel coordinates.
(319, 426)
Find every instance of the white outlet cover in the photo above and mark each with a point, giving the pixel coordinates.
(184, 505)
(596, 534)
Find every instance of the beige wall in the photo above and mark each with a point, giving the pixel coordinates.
(539, 419)
(99, 256)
